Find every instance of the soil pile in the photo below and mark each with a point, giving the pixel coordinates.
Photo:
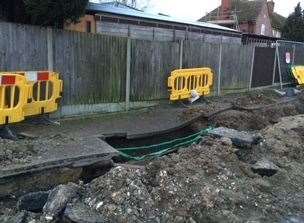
(255, 119)
(214, 181)
(249, 112)
(210, 182)
(256, 98)
(285, 140)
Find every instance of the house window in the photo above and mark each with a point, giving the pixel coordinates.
(276, 33)
(88, 26)
(279, 34)
(263, 29)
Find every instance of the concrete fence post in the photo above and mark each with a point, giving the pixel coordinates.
(50, 49)
(220, 68)
(128, 75)
(279, 64)
(274, 68)
(181, 52)
(252, 67)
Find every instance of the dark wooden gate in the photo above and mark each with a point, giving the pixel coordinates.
(262, 74)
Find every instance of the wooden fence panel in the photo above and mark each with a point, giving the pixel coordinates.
(200, 54)
(22, 47)
(151, 64)
(236, 67)
(93, 67)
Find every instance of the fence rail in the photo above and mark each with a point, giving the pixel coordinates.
(107, 73)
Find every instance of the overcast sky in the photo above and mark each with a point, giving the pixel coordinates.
(195, 9)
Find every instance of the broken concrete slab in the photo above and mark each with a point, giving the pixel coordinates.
(238, 138)
(54, 165)
(80, 213)
(33, 202)
(58, 200)
(265, 167)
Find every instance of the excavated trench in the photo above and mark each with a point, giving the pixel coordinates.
(123, 142)
(252, 114)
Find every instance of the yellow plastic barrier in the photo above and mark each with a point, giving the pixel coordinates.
(298, 73)
(183, 81)
(13, 97)
(45, 90)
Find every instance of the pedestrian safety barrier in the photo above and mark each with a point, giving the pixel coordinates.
(45, 90)
(13, 97)
(298, 73)
(39, 94)
(184, 81)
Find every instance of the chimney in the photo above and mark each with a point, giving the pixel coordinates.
(270, 6)
(226, 9)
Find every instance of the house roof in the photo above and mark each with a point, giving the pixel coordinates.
(245, 10)
(131, 12)
(248, 11)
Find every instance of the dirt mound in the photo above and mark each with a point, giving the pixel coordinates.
(285, 140)
(209, 182)
(245, 120)
(204, 183)
(121, 196)
(175, 188)
(254, 99)
(240, 120)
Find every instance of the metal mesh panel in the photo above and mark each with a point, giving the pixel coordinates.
(285, 51)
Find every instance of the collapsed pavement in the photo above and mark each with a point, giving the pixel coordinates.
(215, 181)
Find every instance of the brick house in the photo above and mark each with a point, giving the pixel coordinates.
(254, 17)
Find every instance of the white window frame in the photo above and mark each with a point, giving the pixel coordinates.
(263, 29)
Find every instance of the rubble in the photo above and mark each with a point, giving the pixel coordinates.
(58, 200)
(33, 201)
(81, 213)
(214, 181)
(203, 183)
(265, 167)
(121, 196)
(240, 139)
(17, 218)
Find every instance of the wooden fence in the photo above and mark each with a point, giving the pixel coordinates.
(99, 69)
